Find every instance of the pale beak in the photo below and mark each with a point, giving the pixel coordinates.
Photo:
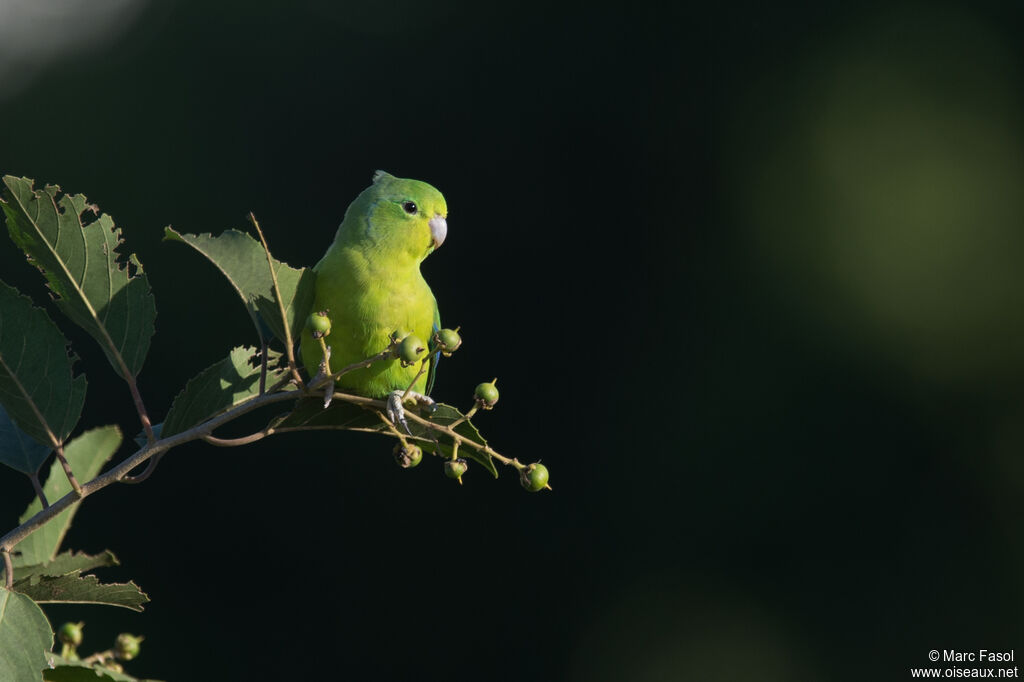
(438, 230)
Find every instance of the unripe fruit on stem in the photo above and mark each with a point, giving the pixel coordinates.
(70, 633)
(454, 468)
(534, 477)
(447, 341)
(410, 350)
(127, 646)
(319, 324)
(407, 457)
(486, 394)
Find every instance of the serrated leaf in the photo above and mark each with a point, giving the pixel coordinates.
(36, 383)
(81, 589)
(63, 670)
(25, 638)
(219, 387)
(243, 261)
(311, 414)
(108, 297)
(66, 562)
(86, 454)
(18, 449)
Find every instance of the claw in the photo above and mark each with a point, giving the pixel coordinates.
(328, 393)
(396, 413)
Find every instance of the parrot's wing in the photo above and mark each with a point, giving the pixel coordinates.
(436, 354)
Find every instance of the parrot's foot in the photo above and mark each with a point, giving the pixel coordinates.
(328, 393)
(324, 371)
(396, 411)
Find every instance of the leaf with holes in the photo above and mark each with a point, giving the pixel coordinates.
(75, 588)
(86, 454)
(75, 246)
(243, 261)
(36, 384)
(219, 387)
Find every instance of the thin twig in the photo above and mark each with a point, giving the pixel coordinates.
(146, 473)
(326, 367)
(466, 417)
(34, 477)
(289, 343)
(140, 408)
(235, 442)
(263, 365)
(384, 354)
(67, 471)
(391, 427)
(8, 568)
(423, 367)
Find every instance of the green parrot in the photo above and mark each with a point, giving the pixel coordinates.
(370, 284)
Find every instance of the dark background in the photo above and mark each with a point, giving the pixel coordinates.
(750, 279)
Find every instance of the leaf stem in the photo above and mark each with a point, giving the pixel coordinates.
(8, 568)
(263, 365)
(466, 417)
(140, 408)
(76, 488)
(289, 343)
(39, 489)
(235, 442)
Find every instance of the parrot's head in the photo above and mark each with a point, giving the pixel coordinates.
(403, 217)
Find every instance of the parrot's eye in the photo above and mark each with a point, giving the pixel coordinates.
(409, 207)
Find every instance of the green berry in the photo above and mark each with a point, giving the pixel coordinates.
(487, 394)
(407, 457)
(319, 324)
(455, 468)
(534, 477)
(410, 350)
(127, 646)
(70, 633)
(448, 341)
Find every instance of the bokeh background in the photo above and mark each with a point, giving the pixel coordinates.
(750, 278)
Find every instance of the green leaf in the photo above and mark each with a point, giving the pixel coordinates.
(86, 454)
(219, 387)
(25, 638)
(243, 261)
(446, 414)
(66, 562)
(63, 670)
(81, 589)
(310, 414)
(76, 248)
(36, 384)
(18, 449)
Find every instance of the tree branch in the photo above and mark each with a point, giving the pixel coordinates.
(153, 451)
(8, 541)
